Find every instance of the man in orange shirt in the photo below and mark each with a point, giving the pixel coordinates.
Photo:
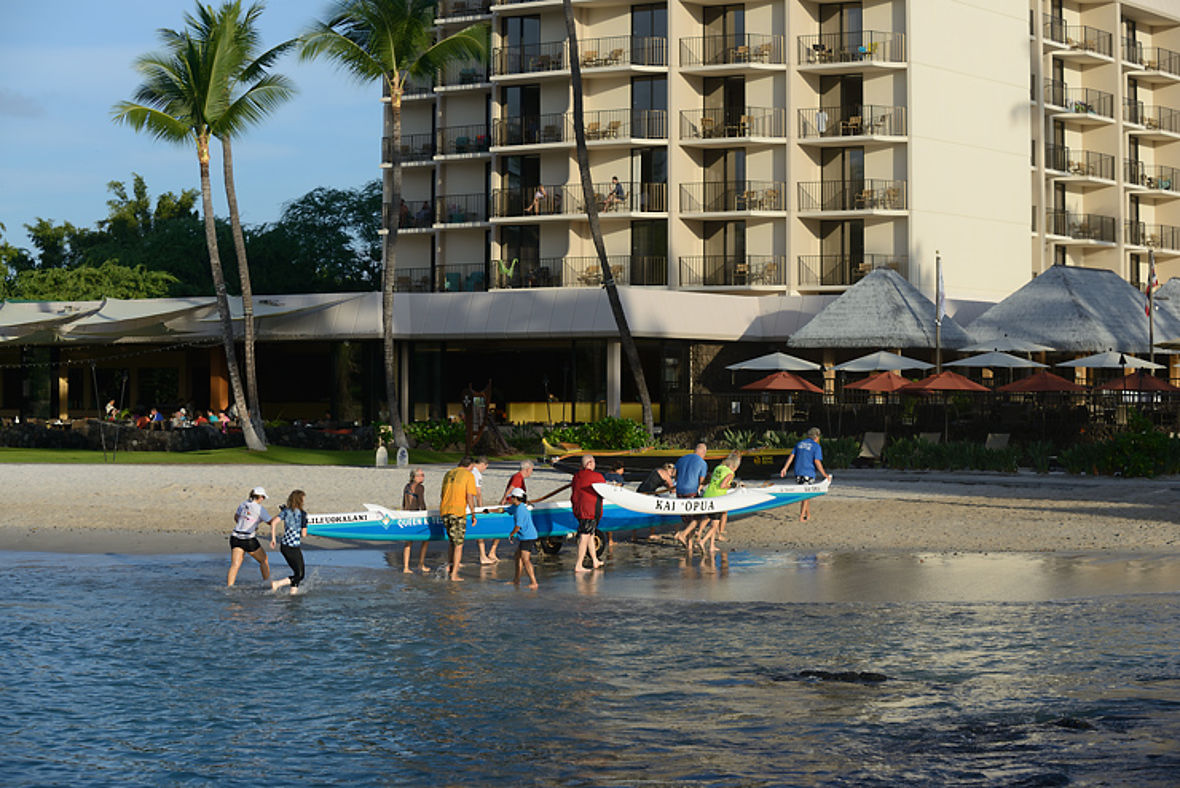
(458, 496)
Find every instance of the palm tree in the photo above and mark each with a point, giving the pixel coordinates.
(253, 94)
(588, 197)
(392, 41)
(185, 87)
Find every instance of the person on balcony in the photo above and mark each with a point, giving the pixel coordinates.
(539, 195)
(615, 196)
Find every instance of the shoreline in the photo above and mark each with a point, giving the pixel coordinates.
(152, 510)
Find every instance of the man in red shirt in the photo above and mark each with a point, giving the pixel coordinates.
(517, 480)
(587, 508)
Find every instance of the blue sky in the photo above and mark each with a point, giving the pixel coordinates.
(63, 65)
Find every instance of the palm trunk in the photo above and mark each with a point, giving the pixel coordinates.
(391, 189)
(231, 197)
(227, 327)
(608, 279)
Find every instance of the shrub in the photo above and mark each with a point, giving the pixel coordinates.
(438, 434)
(914, 454)
(524, 439)
(839, 452)
(738, 440)
(1139, 451)
(606, 433)
(1038, 455)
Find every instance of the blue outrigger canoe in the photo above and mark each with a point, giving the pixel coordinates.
(622, 510)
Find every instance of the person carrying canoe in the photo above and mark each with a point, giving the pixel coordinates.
(808, 458)
(458, 496)
(720, 481)
(691, 472)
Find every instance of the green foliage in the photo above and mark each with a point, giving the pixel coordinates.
(606, 433)
(1139, 451)
(914, 454)
(524, 439)
(86, 283)
(438, 434)
(1038, 455)
(839, 452)
(738, 440)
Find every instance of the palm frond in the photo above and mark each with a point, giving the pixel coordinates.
(252, 106)
(470, 43)
(159, 124)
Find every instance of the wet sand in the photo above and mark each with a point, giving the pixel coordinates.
(188, 509)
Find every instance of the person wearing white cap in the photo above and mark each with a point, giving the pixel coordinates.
(244, 538)
(527, 533)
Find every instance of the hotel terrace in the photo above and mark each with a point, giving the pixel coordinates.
(768, 156)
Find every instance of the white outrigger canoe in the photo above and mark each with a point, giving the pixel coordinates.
(622, 510)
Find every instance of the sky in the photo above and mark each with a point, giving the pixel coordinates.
(64, 65)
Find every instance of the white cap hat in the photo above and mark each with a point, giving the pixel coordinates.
(516, 492)
(258, 492)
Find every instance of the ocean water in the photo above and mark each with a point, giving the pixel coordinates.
(751, 669)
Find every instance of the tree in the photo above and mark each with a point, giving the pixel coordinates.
(250, 94)
(185, 87)
(588, 196)
(392, 41)
(90, 283)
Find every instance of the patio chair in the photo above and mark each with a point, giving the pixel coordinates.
(852, 126)
(707, 126)
(590, 59)
(612, 129)
(593, 130)
(872, 447)
(996, 441)
(616, 55)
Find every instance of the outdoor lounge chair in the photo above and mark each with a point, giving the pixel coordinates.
(872, 447)
(996, 440)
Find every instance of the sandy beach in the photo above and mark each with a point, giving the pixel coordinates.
(187, 509)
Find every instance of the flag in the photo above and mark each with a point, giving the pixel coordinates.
(1152, 281)
(940, 297)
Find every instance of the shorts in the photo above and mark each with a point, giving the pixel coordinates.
(587, 526)
(804, 480)
(456, 527)
(527, 546)
(688, 518)
(249, 545)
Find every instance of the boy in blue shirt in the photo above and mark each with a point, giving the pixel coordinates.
(527, 532)
(808, 458)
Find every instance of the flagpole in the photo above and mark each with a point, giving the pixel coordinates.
(938, 302)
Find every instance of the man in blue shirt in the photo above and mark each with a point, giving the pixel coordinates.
(691, 473)
(808, 458)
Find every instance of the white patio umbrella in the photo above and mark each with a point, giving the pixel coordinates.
(996, 360)
(1110, 360)
(776, 362)
(881, 360)
(1007, 345)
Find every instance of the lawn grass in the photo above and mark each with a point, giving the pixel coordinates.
(275, 455)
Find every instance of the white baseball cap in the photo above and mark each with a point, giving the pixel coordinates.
(258, 492)
(516, 492)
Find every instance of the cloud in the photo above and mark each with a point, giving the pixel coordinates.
(17, 105)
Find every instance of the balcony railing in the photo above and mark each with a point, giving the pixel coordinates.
(1081, 100)
(1083, 163)
(454, 74)
(1151, 58)
(449, 8)
(842, 270)
(1083, 226)
(529, 59)
(457, 278)
(865, 46)
(727, 196)
(622, 51)
(462, 208)
(411, 280)
(868, 195)
(1161, 118)
(1084, 37)
(625, 124)
(1151, 176)
(718, 270)
(411, 218)
(463, 139)
(569, 200)
(852, 121)
(414, 147)
(626, 270)
(722, 123)
(1157, 236)
(532, 129)
(525, 272)
(728, 50)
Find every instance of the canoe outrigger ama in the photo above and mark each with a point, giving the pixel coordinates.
(622, 510)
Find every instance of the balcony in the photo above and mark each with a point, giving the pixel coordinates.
(462, 209)
(869, 195)
(723, 125)
(842, 270)
(411, 280)
(415, 149)
(460, 277)
(857, 121)
(624, 125)
(1164, 181)
(719, 270)
(1080, 41)
(529, 59)
(1158, 123)
(410, 220)
(1079, 165)
(1084, 106)
(852, 52)
(463, 76)
(1157, 65)
(450, 9)
(1086, 227)
(568, 200)
(631, 270)
(532, 130)
(715, 53)
(463, 140)
(623, 52)
(732, 197)
(1154, 236)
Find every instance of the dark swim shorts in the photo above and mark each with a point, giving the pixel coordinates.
(587, 526)
(804, 480)
(527, 546)
(456, 525)
(249, 545)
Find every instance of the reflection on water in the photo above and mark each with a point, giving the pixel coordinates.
(1006, 669)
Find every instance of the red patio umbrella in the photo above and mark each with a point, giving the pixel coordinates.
(881, 383)
(945, 381)
(782, 381)
(1138, 381)
(1041, 381)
